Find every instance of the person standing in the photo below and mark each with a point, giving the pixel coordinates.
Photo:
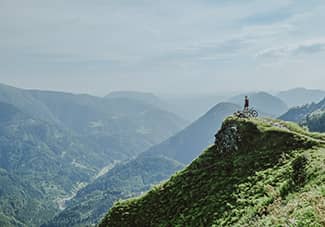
(246, 105)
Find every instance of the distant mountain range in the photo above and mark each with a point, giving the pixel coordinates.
(311, 116)
(143, 97)
(301, 96)
(300, 113)
(191, 107)
(108, 124)
(54, 143)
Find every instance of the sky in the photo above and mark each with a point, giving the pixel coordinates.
(162, 46)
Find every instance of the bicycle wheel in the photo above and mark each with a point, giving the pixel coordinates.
(254, 113)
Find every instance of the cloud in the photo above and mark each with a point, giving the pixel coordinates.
(113, 42)
(302, 48)
(211, 50)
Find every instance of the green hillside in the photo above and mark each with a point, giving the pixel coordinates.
(259, 173)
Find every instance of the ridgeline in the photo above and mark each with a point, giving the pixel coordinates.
(260, 172)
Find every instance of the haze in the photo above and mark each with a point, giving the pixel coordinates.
(162, 46)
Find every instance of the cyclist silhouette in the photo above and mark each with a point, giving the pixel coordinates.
(246, 105)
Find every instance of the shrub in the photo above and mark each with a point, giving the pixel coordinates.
(299, 173)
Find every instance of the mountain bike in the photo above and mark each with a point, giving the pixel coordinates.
(250, 113)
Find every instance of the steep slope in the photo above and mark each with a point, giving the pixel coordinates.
(263, 102)
(184, 147)
(299, 114)
(259, 173)
(301, 96)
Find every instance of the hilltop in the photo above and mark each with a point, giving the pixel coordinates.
(260, 172)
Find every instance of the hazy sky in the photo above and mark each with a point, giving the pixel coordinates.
(177, 46)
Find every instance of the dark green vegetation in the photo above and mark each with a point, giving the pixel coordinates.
(265, 103)
(301, 96)
(316, 121)
(149, 168)
(53, 144)
(260, 173)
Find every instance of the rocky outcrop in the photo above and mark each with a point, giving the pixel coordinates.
(227, 139)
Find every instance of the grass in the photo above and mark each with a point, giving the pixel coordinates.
(273, 176)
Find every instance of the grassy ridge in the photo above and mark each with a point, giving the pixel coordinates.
(260, 173)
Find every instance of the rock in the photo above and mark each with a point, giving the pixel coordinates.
(227, 139)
